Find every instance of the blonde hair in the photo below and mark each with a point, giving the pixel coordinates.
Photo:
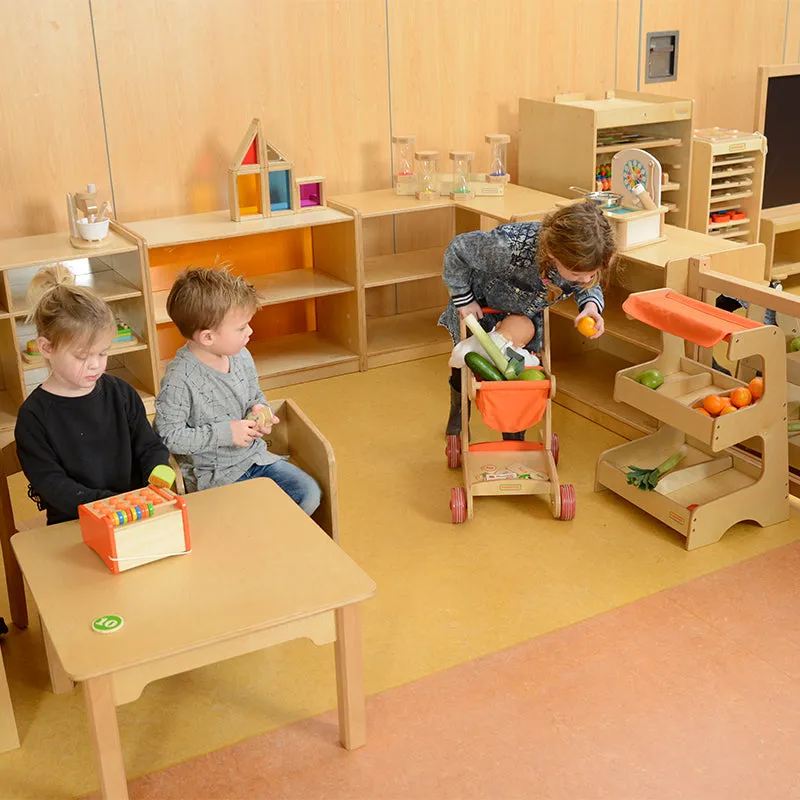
(202, 296)
(63, 312)
(581, 238)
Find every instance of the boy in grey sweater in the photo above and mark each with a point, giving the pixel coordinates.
(211, 388)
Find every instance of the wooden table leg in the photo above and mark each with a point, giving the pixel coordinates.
(9, 738)
(60, 682)
(350, 678)
(105, 737)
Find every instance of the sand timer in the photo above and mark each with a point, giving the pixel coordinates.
(498, 143)
(404, 178)
(427, 186)
(462, 165)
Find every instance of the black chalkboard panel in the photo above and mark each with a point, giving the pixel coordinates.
(782, 129)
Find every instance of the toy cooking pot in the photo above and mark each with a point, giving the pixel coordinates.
(602, 199)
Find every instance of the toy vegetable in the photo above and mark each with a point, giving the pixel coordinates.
(500, 361)
(647, 479)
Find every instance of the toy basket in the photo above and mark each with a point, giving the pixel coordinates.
(509, 406)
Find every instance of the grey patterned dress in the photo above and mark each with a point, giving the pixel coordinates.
(498, 269)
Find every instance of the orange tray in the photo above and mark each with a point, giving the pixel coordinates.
(686, 317)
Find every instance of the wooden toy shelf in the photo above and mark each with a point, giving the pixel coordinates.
(587, 368)
(713, 487)
(401, 293)
(563, 143)
(727, 176)
(116, 270)
(303, 266)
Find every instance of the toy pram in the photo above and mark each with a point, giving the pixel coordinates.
(502, 468)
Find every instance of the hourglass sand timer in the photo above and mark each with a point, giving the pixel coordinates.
(497, 172)
(462, 163)
(404, 177)
(427, 186)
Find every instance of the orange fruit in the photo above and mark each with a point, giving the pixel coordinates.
(756, 387)
(713, 403)
(741, 397)
(727, 410)
(586, 326)
(726, 400)
(702, 411)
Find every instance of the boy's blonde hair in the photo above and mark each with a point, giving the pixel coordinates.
(64, 313)
(581, 238)
(202, 296)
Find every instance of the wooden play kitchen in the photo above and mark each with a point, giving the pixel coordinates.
(714, 486)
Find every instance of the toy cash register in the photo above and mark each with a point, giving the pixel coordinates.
(137, 527)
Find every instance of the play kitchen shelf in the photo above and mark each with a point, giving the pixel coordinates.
(401, 247)
(570, 142)
(780, 233)
(116, 270)
(727, 183)
(303, 266)
(713, 487)
(586, 368)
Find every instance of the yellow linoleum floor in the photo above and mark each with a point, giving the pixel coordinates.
(446, 594)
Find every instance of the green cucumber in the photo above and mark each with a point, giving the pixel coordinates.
(483, 368)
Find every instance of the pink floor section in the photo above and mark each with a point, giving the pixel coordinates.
(691, 693)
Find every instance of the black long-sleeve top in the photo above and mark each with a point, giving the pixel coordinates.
(75, 450)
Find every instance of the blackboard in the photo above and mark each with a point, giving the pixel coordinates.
(782, 129)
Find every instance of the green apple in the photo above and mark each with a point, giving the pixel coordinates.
(650, 378)
(794, 345)
(531, 375)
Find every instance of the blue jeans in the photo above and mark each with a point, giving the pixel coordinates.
(302, 488)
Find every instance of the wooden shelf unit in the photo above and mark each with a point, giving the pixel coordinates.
(562, 143)
(586, 369)
(117, 271)
(401, 292)
(727, 174)
(304, 268)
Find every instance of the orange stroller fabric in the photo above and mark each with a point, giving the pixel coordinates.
(510, 406)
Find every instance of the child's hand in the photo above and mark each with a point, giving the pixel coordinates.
(591, 310)
(471, 308)
(244, 432)
(264, 418)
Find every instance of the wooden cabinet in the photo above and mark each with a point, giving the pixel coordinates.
(728, 183)
(564, 143)
(304, 268)
(116, 271)
(585, 368)
(401, 243)
(780, 233)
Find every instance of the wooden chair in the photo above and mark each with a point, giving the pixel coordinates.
(9, 465)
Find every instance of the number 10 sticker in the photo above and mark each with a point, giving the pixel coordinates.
(109, 623)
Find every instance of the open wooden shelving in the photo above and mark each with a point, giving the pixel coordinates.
(116, 271)
(562, 143)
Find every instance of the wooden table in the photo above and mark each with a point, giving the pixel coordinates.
(261, 573)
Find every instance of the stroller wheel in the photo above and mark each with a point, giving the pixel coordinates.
(458, 504)
(554, 447)
(453, 451)
(567, 501)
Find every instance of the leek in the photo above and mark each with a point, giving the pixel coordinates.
(647, 479)
(492, 350)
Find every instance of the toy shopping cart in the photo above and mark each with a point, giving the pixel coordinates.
(503, 468)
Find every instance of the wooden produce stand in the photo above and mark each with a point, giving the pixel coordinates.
(713, 487)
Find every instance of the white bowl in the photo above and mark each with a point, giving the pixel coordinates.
(92, 231)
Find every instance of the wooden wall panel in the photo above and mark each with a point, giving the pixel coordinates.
(791, 53)
(182, 80)
(459, 67)
(51, 124)
(627, 41)
(720, 48)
